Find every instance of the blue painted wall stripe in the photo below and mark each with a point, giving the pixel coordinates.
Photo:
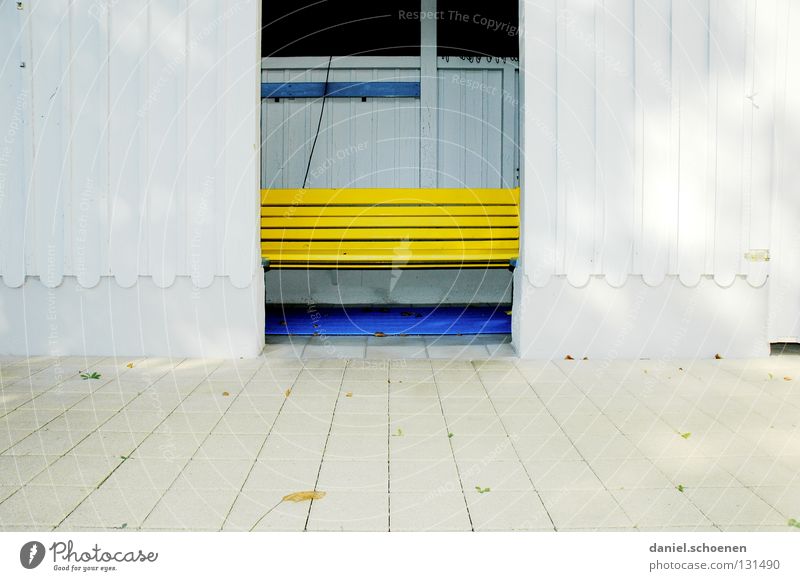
(340, 89)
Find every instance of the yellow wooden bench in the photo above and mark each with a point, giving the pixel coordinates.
(389, 228)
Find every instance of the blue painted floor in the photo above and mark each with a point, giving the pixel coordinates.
(355, 320)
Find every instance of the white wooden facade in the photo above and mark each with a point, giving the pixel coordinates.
(665, 115)
(659, 145)
(136, 148)
(130, 161)
(659, 153)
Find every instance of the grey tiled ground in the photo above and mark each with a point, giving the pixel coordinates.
(399, 442)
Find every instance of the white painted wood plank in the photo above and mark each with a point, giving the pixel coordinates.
(203, 67)
(28, 234)
(429, 100)
(598, 228)
(711, 169)
(576, 136)
(654, 90)
(727, 64)
(615, 140)
(181, 266)
(311, 110)
(362, 126)
(265, 131)
(784, 283)
(51, 171)
(690, 82)
(493, 129)
(509, 104)
(472, 119)
(760, 107)
(14, 123)
(373, 138)
(166, 64)
(335, 164)
(301, 123)
(325, 143)
(385, 146)
(127, 87)
(272, 139)
(242, 251)
(451, 160)
(221, 194)
(398, 171)
(408, 137)
(539, 141)
(89, 143)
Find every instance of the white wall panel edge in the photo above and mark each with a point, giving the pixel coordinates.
(784, 266)
(181, 321)
(241, 252)
(538, 140)
(637, 321)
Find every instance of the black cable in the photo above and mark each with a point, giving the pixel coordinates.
(319, 123)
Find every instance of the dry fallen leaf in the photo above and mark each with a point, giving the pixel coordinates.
(349, 394)
(509, 312)
(379, 334)
(288, 392)
(225, 394)
(304, 495)
(787, 378)
(569, 358)
(717, 356)
(586, 359)
(129, 365)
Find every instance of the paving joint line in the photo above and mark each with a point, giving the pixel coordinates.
(258, 453)
(203, 441)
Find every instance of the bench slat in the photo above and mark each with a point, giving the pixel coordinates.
(398, 234)
(398, 258)
(390, 222)
(389, 196)
(387, 246)
(314, 211)
(390, 228)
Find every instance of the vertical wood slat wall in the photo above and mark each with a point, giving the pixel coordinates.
(649, 137)
(129, 141)
(377, 142)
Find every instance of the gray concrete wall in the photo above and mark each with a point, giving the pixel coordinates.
(410, 286)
